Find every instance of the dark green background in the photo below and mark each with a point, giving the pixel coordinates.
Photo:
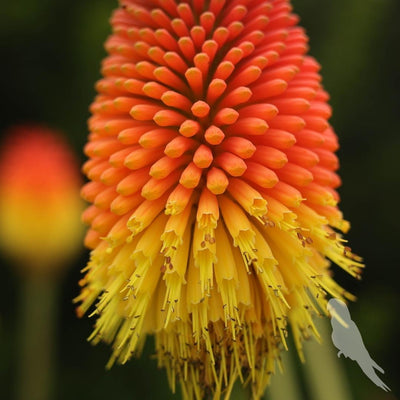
(50, 56)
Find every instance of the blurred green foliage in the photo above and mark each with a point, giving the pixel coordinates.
(51, 52)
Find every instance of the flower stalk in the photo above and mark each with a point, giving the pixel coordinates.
(37, 332)
(323, 369)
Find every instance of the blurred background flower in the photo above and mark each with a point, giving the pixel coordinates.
(40, 233)
(39, 203)
(51, 54)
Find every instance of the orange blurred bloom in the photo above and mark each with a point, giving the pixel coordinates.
(213, 181)
(39, 199)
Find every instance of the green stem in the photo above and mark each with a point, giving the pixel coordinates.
(36, 341)
(285, 386)
(324, 373)
(240, 393)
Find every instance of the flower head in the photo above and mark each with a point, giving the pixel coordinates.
(214, 207)
(39, 199)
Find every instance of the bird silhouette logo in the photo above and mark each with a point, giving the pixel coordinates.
(347, 339)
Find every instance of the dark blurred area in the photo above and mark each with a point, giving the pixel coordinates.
(51, 53)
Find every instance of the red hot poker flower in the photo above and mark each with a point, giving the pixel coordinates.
(39, 199)
(213, 181)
